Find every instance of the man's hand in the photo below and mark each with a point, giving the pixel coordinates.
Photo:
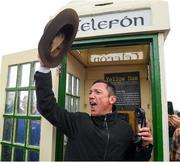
(42, 66)
(146, 135)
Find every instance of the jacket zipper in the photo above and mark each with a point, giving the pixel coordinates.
(108, 136)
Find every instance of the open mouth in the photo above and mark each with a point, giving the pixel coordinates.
(92, 104)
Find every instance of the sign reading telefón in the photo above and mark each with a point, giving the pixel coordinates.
(113, 21)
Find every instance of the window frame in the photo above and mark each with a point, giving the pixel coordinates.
(73, 94)
(17, 89)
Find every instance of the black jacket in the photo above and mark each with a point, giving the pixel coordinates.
(89, 138)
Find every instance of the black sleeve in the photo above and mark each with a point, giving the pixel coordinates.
(136, 153)
(48, 107)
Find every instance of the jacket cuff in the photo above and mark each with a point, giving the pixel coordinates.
(144, 148)
(43, 69)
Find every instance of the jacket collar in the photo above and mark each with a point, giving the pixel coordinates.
(110, 118)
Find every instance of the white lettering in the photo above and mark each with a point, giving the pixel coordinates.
(117, 57)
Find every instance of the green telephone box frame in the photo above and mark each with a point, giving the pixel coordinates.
(152, 40)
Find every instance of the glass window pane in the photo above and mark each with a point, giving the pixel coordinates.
(78, 87)
(67, 80)
(66, 102)
(76, 104)
(74, 86)
(72, 105)
(33, 110)
(19, 154)
(10, 102)
(7, 132)
(33, 156)
(69, 84)
(6, 153)
(25, 74)
(34, 132)
(22, 104)
(12, 76)
(20, 130)
(73, 102)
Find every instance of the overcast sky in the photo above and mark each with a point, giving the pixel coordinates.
(23, 21)
(172, 55)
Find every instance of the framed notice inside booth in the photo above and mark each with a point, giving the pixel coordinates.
(127, 86)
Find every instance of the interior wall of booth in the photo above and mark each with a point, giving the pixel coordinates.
(88, 75)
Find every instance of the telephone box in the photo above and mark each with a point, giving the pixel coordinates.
(122, 42)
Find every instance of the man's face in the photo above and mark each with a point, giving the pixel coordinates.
(99, 100)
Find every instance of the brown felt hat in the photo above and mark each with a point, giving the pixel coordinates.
(58, 36)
